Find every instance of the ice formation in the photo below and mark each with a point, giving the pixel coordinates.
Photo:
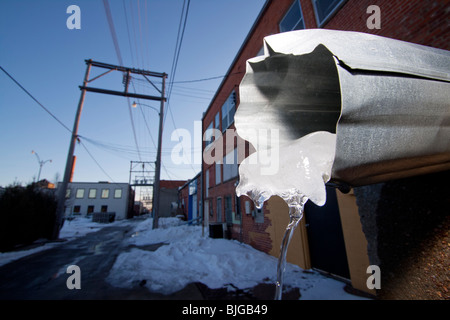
(303, 169)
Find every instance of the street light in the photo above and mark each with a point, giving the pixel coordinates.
(41, 163)
(135, 104)
(158, 162)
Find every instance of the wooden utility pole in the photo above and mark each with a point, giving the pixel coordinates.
(156, 188)
(128, 72)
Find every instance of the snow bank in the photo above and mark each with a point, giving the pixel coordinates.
(188, 257)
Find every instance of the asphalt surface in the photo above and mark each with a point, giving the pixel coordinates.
(42, 276)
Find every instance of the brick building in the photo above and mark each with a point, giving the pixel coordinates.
(416, 21)
(189, 198)
(169, 197)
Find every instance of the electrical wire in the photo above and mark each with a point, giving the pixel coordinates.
(119, 57)
(96, 162)
(128, 31)
(140, 33)
(208, 79)
(179, 42)
(32, 97)
(112, 30)
(54, 117)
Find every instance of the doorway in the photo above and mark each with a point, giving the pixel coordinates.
(325, 237)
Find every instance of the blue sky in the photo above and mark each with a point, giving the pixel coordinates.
(47, 58)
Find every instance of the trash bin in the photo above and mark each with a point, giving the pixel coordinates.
(216, 230)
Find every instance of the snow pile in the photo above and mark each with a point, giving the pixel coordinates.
(188, 257)
(79, 227)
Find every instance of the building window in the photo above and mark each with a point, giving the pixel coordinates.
(80, 194)
(208, 135)
(68, 193)
(228, 210)
(260, 52)
(105, 193)
(324, 9)
(104, 209)
(76, 209)
(217, 121)
(259, 215)
(219, 209)
(117, 193)
(218, 173)
(207, 183)
(90, 209)
(230, 165)
(293, 20)
(92, 193)
(237, 203)
(228, 110)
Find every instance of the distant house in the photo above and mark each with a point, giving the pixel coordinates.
(86, 198)
(189, 199)
(169, 197)
(44, 183)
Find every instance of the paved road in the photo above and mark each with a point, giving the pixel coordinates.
(43, 275)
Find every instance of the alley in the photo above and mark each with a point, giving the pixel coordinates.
(43, 275)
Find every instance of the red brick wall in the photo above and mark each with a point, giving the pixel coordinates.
(423, 22)
(418, 21)
(266, 26)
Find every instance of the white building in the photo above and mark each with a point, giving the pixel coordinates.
(83, 198)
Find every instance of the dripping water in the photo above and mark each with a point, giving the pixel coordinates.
(295, 216)
(303, 172)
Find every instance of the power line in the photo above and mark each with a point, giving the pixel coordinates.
(177, 54)
(32, 97)
(208, 79)
(112, 30)
(119, 57)
(202, 79)
(128, 30)
(53, 116)
(96, 162)
(179, 42)
(140, 33)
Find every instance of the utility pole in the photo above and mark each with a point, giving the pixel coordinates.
(69, 163)
(156, 189)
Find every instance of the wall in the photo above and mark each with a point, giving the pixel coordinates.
(119, 206)
(406, 223)
(355, 241)
(265, 26)
(418, 21)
